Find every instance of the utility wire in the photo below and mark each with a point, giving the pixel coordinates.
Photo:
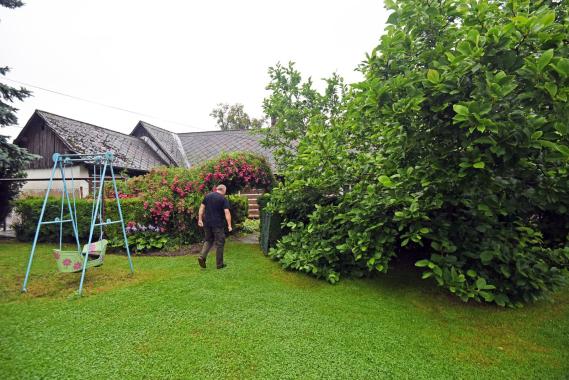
(99, 104)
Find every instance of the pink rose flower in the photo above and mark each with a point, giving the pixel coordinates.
(77, 266)
(66, 262)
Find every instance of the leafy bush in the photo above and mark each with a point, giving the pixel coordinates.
(454, 149)
(29, 209)
(250, 226)
(143, 238)
(13, 159)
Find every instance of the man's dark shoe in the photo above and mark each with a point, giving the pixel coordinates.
(221, 266)
(201, 261)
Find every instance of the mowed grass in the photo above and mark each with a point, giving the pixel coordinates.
(254, 320)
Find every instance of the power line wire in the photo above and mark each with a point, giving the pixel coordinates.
(100, 104)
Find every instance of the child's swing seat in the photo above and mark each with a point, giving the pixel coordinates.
(72, 261)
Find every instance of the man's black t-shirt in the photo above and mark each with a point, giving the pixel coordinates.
(215, 205)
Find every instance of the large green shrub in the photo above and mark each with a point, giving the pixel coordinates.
(455, 149)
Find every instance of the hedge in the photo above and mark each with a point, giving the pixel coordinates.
(28, 211)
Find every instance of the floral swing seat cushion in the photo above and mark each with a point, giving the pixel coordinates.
(72, 261)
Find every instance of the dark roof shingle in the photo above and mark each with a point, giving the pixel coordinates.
(202, 146)
(130, 152)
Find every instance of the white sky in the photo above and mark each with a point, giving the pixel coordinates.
(175, 59)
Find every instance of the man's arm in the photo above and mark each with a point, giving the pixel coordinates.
(200, 215)
(228, 219)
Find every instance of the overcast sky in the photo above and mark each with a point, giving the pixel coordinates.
(175, 60)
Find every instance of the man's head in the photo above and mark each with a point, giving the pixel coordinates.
(221, 189)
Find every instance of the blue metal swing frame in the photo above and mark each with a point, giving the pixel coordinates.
(59, 162)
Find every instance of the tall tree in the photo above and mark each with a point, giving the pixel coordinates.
(233, 117)
(293, 104)
(13, 160)
(454, 149)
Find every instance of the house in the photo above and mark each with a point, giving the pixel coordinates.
(146, 147)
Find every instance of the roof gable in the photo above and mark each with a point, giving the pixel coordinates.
(167, 141)
(84, 138)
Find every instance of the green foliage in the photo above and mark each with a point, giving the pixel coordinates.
(293, 105)
(229, 118)
(13, 162)
(239, 208)
(141, 242)
(250, 226)
(29, 209)
(455, 148)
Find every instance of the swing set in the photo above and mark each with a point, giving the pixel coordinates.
(93, 253)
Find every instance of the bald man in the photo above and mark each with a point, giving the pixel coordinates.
(215, 208)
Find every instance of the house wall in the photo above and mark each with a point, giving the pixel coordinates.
(39, 187)
(42, 141)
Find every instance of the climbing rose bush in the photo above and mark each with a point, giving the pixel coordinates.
(172, 196)
(237, 171)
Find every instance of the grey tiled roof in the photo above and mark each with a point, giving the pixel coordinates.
(202, 146)
(130, 152)
(168, 142)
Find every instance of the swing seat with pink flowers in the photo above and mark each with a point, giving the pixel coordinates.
(72, 261)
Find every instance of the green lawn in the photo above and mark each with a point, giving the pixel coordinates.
(254, 320)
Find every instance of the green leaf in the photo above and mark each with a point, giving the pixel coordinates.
(563, 149)
(474, 36)
(551, 89)
(481, 283)
(422, 263)
(464, 48)
(433, 76)
(536, 135)
(544, 60)
(385, 181)
(547, 19)
(460, 109)
(562, 67)
(478, 165)
(486, 257)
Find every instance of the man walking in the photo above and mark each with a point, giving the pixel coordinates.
(216, 209)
